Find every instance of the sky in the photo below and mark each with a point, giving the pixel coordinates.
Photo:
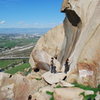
(30, 13)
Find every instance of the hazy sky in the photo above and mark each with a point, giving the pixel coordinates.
(30, 13)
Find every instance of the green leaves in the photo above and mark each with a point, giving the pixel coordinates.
(50, 93)
(27, 72)
(86, 87)
(38, 79)
(58, 86)
(52, 98)
(87, 97)
(90, 96)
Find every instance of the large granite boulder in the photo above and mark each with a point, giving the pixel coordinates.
(76, 41)
(48, 46)
(84, 61)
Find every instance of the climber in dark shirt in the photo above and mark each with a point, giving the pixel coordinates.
(52, 67)
(66, 66)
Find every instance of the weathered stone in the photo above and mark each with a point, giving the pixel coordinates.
(19, 87)
(52, 78)
(66, 84)
(7, 92)
(48, 46)
(70, 93)
(41, 94)
(84, 61)
(77, 40)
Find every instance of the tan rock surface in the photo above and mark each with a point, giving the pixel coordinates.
(48, 46)
(79, 44)
(41, 94)
(18, 87)
(69, 94)
(78, 40)
(52, 78)
(85, 57)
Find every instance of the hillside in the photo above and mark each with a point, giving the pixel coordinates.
(15, 50)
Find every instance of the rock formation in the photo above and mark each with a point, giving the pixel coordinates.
(74, 46)
(85, 59)
(79, 43)
(19, 87)
(48, 46)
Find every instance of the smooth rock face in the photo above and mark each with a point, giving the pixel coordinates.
(48, 46)
(85, 59)
(70, 93)
(72, 34)
(77, 40)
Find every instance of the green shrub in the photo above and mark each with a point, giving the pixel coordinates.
(50, 93)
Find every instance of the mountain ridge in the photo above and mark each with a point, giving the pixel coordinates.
(23, 30)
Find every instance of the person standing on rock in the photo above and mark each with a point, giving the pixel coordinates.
(52, 67)
(52, 64)
(66, 66)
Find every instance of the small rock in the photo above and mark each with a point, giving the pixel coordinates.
(52, 78)
(66, 84)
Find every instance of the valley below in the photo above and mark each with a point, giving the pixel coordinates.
(17, 46)
(15, 50)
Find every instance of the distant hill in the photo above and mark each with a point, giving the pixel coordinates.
(23, 30)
